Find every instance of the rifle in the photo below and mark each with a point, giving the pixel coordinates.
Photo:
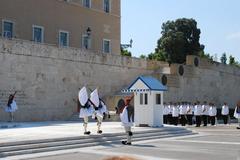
(14, 94)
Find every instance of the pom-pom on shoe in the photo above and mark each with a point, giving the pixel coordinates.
(87, 133)
(126, 143)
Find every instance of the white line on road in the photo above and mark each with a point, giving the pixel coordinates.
(207, 142)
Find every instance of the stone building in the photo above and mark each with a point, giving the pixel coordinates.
(89, 24)
(51, 48)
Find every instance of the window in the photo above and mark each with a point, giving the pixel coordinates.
(146, 98)
(106, 46)
(141, 98)
(38, 33)
(158, 99)
(87, 3)
(63, 38)
(106, 6)
(7, 29)
(86, 42)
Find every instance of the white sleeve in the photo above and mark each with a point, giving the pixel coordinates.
(104, 107)
(124, 116)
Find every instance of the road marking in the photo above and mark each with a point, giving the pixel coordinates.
(207, 142)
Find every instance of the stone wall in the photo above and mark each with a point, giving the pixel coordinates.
(207, 81)
(48, 78)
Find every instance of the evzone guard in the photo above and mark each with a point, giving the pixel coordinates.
(100, 109)
(86, 108)
(126, 111)
(11, 106)
(94, 107)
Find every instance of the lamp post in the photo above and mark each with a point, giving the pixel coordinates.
(124, 46)
(88, 31)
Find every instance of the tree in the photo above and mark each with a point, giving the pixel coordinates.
(125, 52)
(224, 58)
(160, 56)
(142, 56)
(232, 60)
(179, 39)
(206, 55)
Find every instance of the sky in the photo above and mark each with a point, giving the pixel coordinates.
(219, 21)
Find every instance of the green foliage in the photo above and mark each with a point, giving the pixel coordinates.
(160, 56)
(206, 55)
(142, 56)
(224, 58)
(232, 60)
(125, 52)
(179, 39)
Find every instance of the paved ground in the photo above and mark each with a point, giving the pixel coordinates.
(218, 142)
(48, 130)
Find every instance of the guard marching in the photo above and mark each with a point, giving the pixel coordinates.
(100, 109)
(126, 112)
(86, 108)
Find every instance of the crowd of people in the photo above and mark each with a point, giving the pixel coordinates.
(196, 113)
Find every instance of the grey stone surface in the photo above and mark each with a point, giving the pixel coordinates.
(218, 142)
(32, 131)
(47, 79)
(211, 82)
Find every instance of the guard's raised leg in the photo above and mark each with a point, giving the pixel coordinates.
(129, 136)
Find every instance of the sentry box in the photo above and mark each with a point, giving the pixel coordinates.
(148, 101)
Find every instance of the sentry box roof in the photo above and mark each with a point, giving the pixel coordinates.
(145, 84)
